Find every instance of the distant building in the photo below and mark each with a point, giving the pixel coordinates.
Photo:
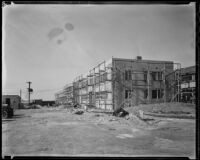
(188, 84)
(13, 100)
(37, 101)
(42, 102)
(183, 83)
(48, 103)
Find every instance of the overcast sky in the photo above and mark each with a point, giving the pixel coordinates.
(50, 45)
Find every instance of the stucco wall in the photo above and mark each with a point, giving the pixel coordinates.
(138, 84)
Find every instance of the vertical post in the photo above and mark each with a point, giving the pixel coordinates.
(164, 84)
(104, 81)
(132, 84)
(179, 74)
(29, 91)
(20, 97)
(20, 93)
(148, 83)
(99, 86)
(113, 83)
(94, 87)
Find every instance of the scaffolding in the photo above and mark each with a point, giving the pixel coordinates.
(96, 88)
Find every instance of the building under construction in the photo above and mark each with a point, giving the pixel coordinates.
(65, 96)
(127, 82)
(188, 84)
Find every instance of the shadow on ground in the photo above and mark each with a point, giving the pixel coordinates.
(14, 118)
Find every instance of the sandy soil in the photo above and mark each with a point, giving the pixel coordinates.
(54, 132)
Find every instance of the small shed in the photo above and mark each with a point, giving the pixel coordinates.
(13, 100)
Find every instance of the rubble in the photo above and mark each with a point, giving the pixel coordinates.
(77, 105)
(120, 112)
(79, 112)
(113, 119)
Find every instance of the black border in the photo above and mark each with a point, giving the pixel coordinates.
(127, 3)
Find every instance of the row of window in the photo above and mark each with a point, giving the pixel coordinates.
(98, 79)
(102, 95)
(156, 94)
(156, 76)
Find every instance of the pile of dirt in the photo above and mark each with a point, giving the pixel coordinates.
(79, 112)
(63, 106)
(165, 108)
(77, 109)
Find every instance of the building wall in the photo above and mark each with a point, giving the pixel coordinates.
(135, 76)
(15, 100)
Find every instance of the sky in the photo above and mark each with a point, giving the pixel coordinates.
(50, 45)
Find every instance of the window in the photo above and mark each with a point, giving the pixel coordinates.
(97, 79)
(160, 76)
(90, 81)
(101, 78)
(145, 76)
(154, 94)
(193, 77)
(153, 75)
(128, 75)
(157, 93)
(105, 76)
(145, 93)
(156, 76)
(127, 94)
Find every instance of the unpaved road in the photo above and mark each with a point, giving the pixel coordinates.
(51, 132)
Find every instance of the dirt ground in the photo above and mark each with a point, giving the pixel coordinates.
(57, 132)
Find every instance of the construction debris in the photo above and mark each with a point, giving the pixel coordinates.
(120, 113)
(113, 119)
(79, 112)
(77, 105)
(97, 115)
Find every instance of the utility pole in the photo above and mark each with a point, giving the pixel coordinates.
(29, 91)
(20, 93)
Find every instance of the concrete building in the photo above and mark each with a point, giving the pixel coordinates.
(13, 100)
(65, 96)
(122, 82)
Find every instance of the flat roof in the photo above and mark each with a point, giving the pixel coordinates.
(142, 60)
(10, 95)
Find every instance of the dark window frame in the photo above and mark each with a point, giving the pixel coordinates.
(157, 76)
(157, 93)
(128, 75)
(145, 93)
(127, 93)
